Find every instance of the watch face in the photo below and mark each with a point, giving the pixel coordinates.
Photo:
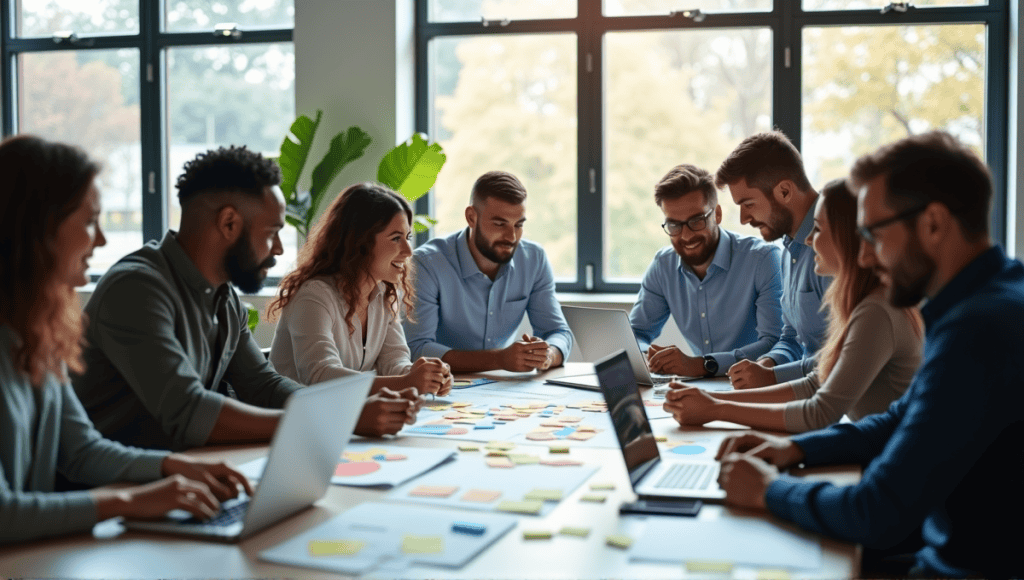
(710, 365)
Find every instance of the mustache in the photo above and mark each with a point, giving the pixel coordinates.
(268, 263)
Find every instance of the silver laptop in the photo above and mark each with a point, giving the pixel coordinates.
(599, 332)
(317, 424)
(651, 477)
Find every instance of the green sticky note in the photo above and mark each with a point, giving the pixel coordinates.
(544, 494)
(602, 486)
(572, 531)
(619, 541)
(594, 497)
(422, 544)
(521, 507)
(335, 547)
(709, 566)
(536, 535)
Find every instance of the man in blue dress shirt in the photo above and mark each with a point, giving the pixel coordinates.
(766, 178)
(473, 288)
(943, 466)
(721, 288)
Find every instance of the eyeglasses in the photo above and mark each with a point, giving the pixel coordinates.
(674, 228)
(867, 232)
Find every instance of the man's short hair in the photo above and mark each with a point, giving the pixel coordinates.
(931, 167)
(685, 179)
(498, 184)
(763, 160)
(231, 169)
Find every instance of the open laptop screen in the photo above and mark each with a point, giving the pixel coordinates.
(626, 408)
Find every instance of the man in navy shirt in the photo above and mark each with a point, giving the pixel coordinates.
(948, 457)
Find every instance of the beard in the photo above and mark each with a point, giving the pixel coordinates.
(703, 252)
(244, 271)
(910, 276)
(780, 221)
(490, 251)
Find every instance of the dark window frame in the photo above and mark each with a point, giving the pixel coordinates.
(786, 20)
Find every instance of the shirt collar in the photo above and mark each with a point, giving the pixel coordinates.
(805, 229)
(184, 267)
(467, 264)
(965, 283)
(722, 258)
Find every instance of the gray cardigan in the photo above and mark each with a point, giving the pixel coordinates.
(44, 430)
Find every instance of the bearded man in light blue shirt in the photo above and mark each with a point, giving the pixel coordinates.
(766, 178)
(474, 286)
(721, 288)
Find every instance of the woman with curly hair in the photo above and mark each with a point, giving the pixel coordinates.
(341, 307)
(870, 354)
(49, 209)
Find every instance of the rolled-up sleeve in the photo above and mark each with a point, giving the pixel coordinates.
(545, 312)
(651, 310)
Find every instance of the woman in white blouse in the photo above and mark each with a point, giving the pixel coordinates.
(341, 307)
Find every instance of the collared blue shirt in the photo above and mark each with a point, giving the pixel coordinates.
(732, 314)
(458, 307)
(804, 323)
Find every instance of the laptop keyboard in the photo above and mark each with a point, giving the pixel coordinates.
(231, 511)
(661, 380)
(686, 476)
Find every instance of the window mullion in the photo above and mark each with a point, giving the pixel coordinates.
(152, 112)
(590, 145)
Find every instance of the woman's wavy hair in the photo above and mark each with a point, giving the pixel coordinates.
(44, 183)
(852, 283)
(340, 246)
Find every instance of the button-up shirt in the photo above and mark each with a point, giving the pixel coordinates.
(161, 341)
(804, 323)
(459, 308)
(732, 314)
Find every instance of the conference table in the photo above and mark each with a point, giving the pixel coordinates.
(111, 552)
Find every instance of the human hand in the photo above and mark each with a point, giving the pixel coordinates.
(430, 375)
(222, 479)
(669, 360)
(154, 500)
(747, 374)
(385, 412)
(781, 452)
(525, 355)
(412, 395)
(745, 479)
(690, 405)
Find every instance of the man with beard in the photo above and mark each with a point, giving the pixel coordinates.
(943, 465)
(766, 178)
(722, 289)
(474, 286)
(170, 362)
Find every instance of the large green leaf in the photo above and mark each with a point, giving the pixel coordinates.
(411, 168)
(294, 152)
(345, 148)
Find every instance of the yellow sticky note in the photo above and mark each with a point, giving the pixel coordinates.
(500, 462)
(521, 507)
(523, 458)
(503, 445)
(422, 544)
(536, 535)
(469, 448)
(619, 541)
(558, 448)
(543, 494)
(661, 438)
(602, 486)
(335, 547)
(709, 566)
(573, 531)
(594, 497)
(772, 574)
(480, 495)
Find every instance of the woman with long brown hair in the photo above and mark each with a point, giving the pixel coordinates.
(869, 357)
(49, 211)
(341, 308)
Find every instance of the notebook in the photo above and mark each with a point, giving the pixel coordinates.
(317, 424)
(599, 332)
(650, 476)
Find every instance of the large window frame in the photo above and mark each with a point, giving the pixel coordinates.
(152, 42)
(787, 20)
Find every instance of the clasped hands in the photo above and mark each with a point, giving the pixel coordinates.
(528, 354)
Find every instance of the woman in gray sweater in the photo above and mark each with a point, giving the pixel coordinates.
(49, 213)
(871, 352)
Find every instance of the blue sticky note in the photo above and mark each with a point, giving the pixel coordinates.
(565, 432)
(483, 426)
(499, 422)
(468, 528)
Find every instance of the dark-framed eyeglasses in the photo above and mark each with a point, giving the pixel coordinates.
(674, 228)
(867, 232)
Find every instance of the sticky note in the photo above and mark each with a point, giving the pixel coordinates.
(483, 427)
(497, 453)
(499, 462)
(521, 507)
(523, 458)
(593, 497)
(335, 547)
(468, 528)
(536, 535)
(503, 445)
(708, 566)
(580, 436)
(661, 439)
(434, 490)
(544, 494)
(560, 462)
(540, 436)
(603, 486)
(586, 429)
(772, 574)
(574, 531)
(422, 544)
(480, 495)
(469, 448)
(619, 541)
(559, 448)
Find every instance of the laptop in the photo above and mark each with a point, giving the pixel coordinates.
(317, 424)
(650, 476)
(599, 332)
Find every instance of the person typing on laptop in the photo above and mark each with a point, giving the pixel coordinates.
(721, 288)
(48, 230)
(943, 465)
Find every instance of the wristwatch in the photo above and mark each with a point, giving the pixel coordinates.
(710, 366)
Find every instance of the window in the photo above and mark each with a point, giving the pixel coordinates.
(591, 102)
(143, 86)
